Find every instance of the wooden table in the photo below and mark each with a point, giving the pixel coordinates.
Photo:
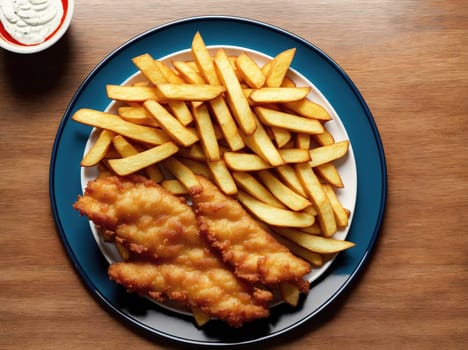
(410, 61)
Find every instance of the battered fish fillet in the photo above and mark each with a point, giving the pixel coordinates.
(174, 262)
(254, 254)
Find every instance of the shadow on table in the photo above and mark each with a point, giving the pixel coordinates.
(32, 76)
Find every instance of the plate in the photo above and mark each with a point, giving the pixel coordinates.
(330, 81)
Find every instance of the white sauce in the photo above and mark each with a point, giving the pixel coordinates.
(30, 21)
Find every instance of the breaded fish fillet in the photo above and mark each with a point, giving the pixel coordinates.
(255, 255)
(213, 291)
(161, 231)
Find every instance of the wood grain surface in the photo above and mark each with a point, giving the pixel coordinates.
(408, 58)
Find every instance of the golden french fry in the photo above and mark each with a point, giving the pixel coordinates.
(183, 173)
(116, 124)
(282, 192)
(288, 121)
(126, 149)
(290, 293)
(295, 155)
(312, 230)
(308, 108)
(279, 67)
(315, 192)
(329, 173)
(340, 214)
(131, 93)
(197, 167)
(174, 186)
(273, 215)
(250, 71)
(188, 74)
(289, 176)
(281, 136)
(324, 138)
(318, 244)
(170, 124)
(261, 144)
(203, 60)
(244, 161)
(222, 177)
(189, 92)
(134, 163)
(227, 124)
(314, 258)
(278, 95)
(303, 141)
(207, 133)
(236, 98)
(98, 151)
(255, 188)
(137, 115)
(326, 154)
(169, 74)
(147, 65)
(200, 317)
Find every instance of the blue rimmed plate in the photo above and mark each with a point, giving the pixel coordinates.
(336, 88)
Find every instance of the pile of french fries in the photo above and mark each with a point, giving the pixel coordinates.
(246, 127)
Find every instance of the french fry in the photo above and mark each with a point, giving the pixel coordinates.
(288, 121)
(282, 192)
(279, 67)
(303, 141)
(207, 133)
(289, 176)
(131, 93)
(170, 124)
(197, 167)
(98, 151)
(137, 115)
(326, 154)
(250, 71)
(318, 244)
(116, 124)
(183, 173)
(312, 230)
(329, 173)
(174, 186)
(315, 192)
(273, 215)
(201, 318)
(169, 74)
(227, 124)
(222, 177)
(189, 92)
(340, 214)
(278, 95)
(236, 98)
(308, 108)
(255, 188)
(126, 149)
(188, 74)
(281, 136)
(245, 161)
(134, 163)
(314, 258)
(204, 61)
(261, 144)
(290, 293)
(147, 65)
(295, 155)
(324, 138)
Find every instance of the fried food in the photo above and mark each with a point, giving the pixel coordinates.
(255, 255)
(168, 260)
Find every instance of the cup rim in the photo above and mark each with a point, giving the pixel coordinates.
(29, 49)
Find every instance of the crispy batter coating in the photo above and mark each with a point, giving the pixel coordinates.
(255, 255)
(169, 258)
